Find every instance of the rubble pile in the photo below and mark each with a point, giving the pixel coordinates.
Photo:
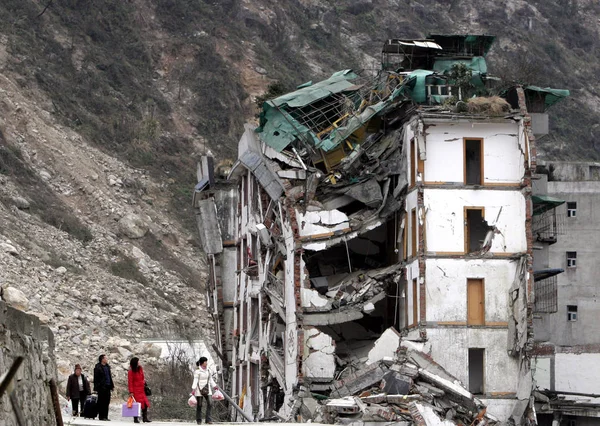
(409, 387)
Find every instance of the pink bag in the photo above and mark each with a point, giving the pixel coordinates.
(192, 402)
(218, 395)
(134, 411)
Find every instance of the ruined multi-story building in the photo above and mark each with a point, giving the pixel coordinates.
(367, 211)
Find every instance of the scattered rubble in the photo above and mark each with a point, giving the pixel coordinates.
(408, 387)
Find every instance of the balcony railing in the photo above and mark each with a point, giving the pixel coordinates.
(547, 226)
(546, 295)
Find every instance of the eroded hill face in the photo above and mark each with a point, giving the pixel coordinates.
(106, 106)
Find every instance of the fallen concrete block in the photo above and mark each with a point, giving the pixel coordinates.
(394, 383)
(424, 415)
(385, 346)
(353, 384)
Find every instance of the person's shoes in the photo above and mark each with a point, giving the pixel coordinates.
(136, 420)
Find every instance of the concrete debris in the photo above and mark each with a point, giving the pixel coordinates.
(430, 397)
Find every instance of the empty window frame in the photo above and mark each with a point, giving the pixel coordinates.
(476, 370)
(572, 313)
(476, 228)
(473, 161)
(571, 259)
(475, 301)
(413, 232)
(413, 165)
(406, 304)
(415, 303)
(571, 209)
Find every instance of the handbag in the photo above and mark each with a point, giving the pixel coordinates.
(204, 390)
(147, 389)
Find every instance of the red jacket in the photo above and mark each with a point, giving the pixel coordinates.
(136, 382)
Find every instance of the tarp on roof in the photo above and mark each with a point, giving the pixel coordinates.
(543, 203)
(278, 128)
(308, 94)
(551, 96)
(414, 86)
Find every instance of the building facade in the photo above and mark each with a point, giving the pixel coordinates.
(567, 339)
(364, 211)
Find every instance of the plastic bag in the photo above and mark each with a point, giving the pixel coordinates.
(218, 395)
(130, 402)
(192, 402)
(67, 410)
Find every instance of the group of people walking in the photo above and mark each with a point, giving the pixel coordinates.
(78, 389)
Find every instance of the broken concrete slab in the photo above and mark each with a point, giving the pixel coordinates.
(424, 415)
(363, 379)
(394, 383)
(385, 346)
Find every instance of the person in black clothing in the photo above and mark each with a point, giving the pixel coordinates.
(103, 384)
(78, 387)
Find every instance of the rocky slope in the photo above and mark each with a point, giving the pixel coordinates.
(88, 245)
(106, 106)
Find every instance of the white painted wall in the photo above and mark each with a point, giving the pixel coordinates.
(291, 324)
(446, 281)
(412, 272)
(577, 372)
(500, 408)
(445, 218)
(541, 367)
(502, 155)
(411, 203)
(450, 348)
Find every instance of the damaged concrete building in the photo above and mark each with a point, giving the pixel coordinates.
(369, 213)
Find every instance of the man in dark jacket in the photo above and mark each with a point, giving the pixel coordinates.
(103, 384)
(78, 387)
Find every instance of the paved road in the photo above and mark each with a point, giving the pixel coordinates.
(121, 422)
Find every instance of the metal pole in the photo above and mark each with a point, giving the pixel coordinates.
(10, 374)
(56, 403)
(237, 407)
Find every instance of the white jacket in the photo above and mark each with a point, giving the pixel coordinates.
(201, 378)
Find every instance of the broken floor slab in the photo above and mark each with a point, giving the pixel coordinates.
(385, 346)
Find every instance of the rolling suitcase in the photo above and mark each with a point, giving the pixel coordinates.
(90, 408)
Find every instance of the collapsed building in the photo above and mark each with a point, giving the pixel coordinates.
(366, 213)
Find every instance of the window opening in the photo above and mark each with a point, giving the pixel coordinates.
(413, 169)
(571, 259)
(475, 302)
(476, 371)
(415, 303)
(476, 229)
(571, 209)
(413, 232)
(473, 162)
(572, 313)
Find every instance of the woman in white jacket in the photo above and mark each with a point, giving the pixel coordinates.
(202, 388)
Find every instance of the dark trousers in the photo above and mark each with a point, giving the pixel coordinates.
(103, 403)
(199, 408)
(75, 402)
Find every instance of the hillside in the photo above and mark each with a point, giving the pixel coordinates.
(106, 106)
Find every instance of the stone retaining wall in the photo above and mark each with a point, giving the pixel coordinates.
(23, 335)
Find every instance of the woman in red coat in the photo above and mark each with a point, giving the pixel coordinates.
(136, 380)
